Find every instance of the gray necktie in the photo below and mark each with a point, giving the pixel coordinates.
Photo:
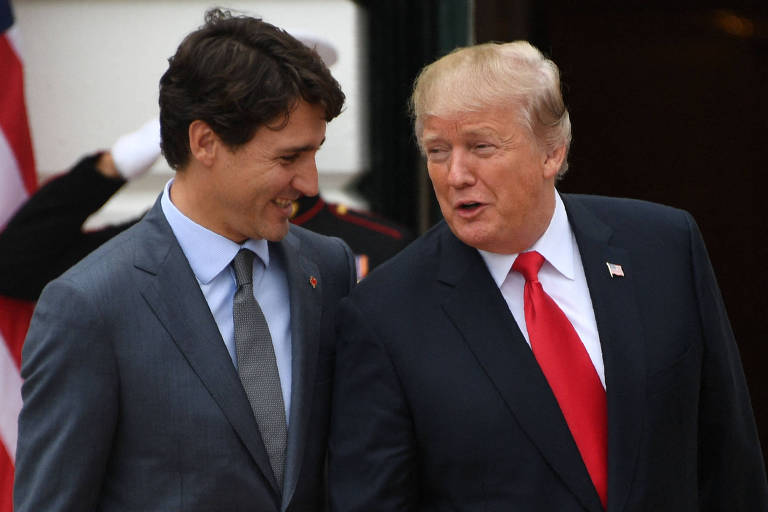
(257, 366)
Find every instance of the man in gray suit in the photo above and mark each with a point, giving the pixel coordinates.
(143, 387)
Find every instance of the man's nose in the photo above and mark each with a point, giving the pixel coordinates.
(460, 170)
(306, 180)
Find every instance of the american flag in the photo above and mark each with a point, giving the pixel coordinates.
(17, 181)
(615, 270)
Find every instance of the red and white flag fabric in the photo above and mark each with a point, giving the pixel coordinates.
(17, 181)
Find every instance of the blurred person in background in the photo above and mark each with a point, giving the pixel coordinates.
(45, 236)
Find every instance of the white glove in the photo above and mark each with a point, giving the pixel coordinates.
(135, 152)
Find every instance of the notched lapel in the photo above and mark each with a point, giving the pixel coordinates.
(622, 340)
(480, 313)
(306, 289)
(172, 293)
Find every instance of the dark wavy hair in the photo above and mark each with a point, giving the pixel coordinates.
(237, 73)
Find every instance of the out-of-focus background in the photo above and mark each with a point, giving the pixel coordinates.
(667, 99)
(92, 71)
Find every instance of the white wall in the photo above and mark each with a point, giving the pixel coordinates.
(92, 70)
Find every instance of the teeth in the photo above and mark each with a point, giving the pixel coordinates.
(283, 203)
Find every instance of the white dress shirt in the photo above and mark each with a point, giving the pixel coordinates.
(561, 276)
(210, 254)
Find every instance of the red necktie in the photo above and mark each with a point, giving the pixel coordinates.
(569, 371)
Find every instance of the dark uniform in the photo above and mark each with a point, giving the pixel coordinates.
(45, 236)
(372, 238)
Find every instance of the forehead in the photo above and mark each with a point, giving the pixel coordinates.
(501, 122)
(303, 125)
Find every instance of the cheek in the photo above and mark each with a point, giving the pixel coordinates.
(437, 177)
(517, 199)
(432, 173)
(262, 186)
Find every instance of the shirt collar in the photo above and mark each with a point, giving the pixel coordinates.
(556, 245)
(208, 252)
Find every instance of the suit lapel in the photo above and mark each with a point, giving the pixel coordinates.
(305, 324)
(476, 307)
(171, 290)
(621, 338)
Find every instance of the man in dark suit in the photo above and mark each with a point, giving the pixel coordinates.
(536, 351)
(186, 363)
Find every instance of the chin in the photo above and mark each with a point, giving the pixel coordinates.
(468, 236)
(276, 233)
(482, 241)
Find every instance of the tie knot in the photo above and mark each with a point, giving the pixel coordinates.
(243, 266)
(528, 264)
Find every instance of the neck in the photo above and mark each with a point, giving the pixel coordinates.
(189, 194)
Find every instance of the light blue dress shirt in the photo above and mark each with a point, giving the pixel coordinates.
(210, 254)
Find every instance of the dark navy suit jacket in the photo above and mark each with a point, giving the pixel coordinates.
(439, 403)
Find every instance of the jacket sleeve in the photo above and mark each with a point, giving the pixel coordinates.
(45, 237)
(70, 400)
(731, 468)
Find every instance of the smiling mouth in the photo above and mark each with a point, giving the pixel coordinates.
(283, 203)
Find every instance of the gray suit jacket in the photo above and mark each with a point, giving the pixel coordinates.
(131, 401)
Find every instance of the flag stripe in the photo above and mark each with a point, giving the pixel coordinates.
(18, 180)
(12, 190)
(14, 322)
(6, 481)
(10, 390)
(13, 112)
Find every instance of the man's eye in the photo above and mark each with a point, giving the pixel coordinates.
(436, 152)
(484, 149)
(437, 155)
(289, 159)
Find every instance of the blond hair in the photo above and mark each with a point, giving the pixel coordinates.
(496, 75)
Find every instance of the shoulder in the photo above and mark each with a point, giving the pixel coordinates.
(622, 205)
(339, 219)
(624, 214)
(107, 266)
(411, 270)
(373, 239)
(330, 254)
(657, 236)
(316, 244)
(367, 221)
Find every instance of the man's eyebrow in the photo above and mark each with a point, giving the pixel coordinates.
(481, 131)
(430, 138)
(300, 149)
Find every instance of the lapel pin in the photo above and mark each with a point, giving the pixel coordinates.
(615, 270)
(313, 281)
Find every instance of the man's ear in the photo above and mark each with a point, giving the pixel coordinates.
(554, 161)
(203, 142)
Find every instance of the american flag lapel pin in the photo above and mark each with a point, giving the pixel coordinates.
(313, 281)
(615, 270)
